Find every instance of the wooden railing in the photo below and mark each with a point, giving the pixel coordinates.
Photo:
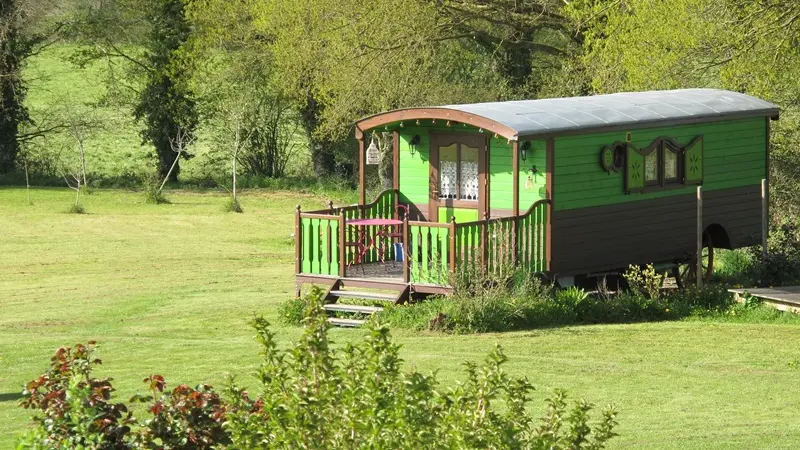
(320, 235)
(429, 254)
(504, 244)
(434, 252)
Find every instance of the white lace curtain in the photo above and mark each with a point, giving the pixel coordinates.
(451, 168)
(447, 179)
(469, 180)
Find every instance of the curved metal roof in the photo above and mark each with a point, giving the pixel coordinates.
(529, 118)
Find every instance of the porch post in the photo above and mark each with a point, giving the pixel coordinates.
(406, 277)
(362, 193)
(764, 218)
(515, 178)
(297, 248)
(396, 171)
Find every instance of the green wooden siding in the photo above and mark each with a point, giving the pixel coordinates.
(461, 214)
(501, 181)
(414, 168)
(733, 156)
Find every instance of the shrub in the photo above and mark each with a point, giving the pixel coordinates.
(781, 266)
(644, 281)
(75, 408)
(185, 418)
(292, 311)
(76, 208)
(314, 396)
(232, 205)
(154, 195)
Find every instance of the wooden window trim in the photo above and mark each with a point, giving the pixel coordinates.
(660, 145)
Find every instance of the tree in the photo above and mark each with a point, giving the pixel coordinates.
(13, 50)
(343, 59)
(166, 104)
(25, 29)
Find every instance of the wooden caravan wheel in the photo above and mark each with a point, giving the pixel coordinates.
(686, 273)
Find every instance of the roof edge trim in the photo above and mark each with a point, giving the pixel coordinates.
(436, 113)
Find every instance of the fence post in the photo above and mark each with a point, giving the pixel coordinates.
(484, 241)
(452, 252)
(298, 238)
(342, 246)
(764, 218)
(699, 268)
(406, 253)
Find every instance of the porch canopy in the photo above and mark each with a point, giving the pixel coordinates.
(555, 116)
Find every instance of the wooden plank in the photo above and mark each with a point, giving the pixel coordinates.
(298, 243)
(342, 247)
(362, 184)
(335, 307)
(348, 323)
(406, 248)
(361, 295)
(424, 270)
(452, 247)
(325, 247)
(317, 216)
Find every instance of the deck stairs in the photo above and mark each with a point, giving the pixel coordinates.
(350, 301)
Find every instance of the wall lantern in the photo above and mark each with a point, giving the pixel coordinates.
(524, 150)
(413, 144)
(373, 154)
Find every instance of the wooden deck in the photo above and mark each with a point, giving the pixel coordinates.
(387, 270)
(783, 298)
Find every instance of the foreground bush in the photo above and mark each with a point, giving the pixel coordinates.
(312, 396)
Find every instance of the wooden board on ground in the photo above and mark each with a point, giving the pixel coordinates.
(785, 298)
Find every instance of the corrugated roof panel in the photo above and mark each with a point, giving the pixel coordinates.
(558, 115)
(531, 117)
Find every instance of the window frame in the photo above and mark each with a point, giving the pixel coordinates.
(458, 175)
(659, 146)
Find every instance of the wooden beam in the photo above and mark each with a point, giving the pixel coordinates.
(406, 275)
(550, 167)
(764, 218)
(452, 251)
(515, 223)
(362, 189)
(699, 260)
(342, 247)
(297, 247)
(443, 114)
(396, 159)
(515, 178)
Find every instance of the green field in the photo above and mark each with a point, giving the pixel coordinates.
(168, 289)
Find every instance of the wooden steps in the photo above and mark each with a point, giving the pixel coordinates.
(347, 323)
(336, 307)
(360, 304)
(364, 295)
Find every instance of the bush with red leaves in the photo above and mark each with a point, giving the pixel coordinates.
(76, 408)
(186, 418)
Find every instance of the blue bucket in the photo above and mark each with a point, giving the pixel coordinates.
(398, 251)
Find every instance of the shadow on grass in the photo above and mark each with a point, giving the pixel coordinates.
(10, 396)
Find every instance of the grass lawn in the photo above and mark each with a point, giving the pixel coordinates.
(168, 289)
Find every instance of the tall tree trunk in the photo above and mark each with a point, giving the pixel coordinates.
(13, 51)
(321, 149)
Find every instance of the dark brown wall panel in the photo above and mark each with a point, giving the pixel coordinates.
(656, 230)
